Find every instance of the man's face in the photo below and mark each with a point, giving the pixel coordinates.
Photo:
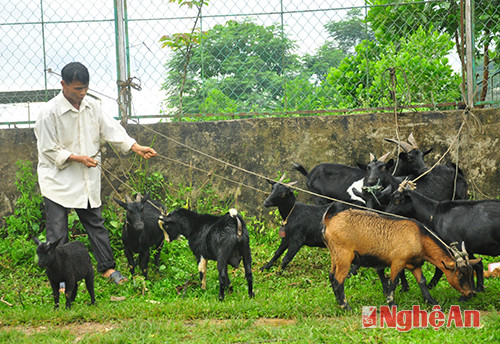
(74, 92)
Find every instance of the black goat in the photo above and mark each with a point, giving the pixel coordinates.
(68, 263)
(335, 181)
(141, 231)
(302, 223)
(476, 223)
(411, 160)
(439, 184)
(442, 183)
(224, 239)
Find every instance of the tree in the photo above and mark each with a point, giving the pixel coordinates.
(391, 22)
(243, 61)
(418, 64)
(344, 35)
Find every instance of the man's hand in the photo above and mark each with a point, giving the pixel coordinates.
(144, 151)
(86, 160)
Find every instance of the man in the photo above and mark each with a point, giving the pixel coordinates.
(69, 131)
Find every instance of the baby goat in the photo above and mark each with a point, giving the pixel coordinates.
(385, 241)
(141, 231)
(224, 239)
(67, 263)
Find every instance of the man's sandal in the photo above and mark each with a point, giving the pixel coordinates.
(117, 277)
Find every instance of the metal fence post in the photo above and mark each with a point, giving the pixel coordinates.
(469, 51)
(122, 61)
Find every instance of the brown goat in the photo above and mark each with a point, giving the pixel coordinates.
(382, 241)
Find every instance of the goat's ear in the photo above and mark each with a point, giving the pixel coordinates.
(138, 197)
(55, 243)
(451, 268)
(403, 156)
(123, 204)
(364, 167)
(145, 198)
(357, 193)
(475, 261)
(427, 152)
(386, 191)
(272, 182)
(389, 164)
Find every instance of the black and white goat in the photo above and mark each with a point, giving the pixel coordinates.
(223, 238)
(68, 263)
(334, 181)
(141, 231)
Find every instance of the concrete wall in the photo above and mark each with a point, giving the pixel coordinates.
(264, 146)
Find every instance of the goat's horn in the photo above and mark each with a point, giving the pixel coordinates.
(138, 197)
(282, 178)
(383, 157)
(292, 183)
(464, 251)
(128, 199)
(406, 147)
(372, 157)
(412, 141)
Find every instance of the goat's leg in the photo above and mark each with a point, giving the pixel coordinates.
(130, 258)
(422, 283)
(341, 263)
(396, 271)
(202, 268)
(247, 264)
(89, 283)
(354, 270)
(55, 292)
(283, 246)
(435, 279)
(144, 261)
(384, 280)
(158, 254)
(71, 286)
(223, 277)
(404, 282)
(478, 268)
(293, 247)
(74, 292)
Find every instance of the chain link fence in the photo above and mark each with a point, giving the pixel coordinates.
(249, 58)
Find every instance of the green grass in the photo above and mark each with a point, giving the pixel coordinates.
(296, 306)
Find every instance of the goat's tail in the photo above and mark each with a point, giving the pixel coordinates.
(300, 168)
(234, 214)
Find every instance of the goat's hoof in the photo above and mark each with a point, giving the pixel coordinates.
(251, 295)
(346, 307)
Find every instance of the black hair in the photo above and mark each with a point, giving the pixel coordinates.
(75, 71)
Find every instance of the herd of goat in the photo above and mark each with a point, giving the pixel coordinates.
(369, 215)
